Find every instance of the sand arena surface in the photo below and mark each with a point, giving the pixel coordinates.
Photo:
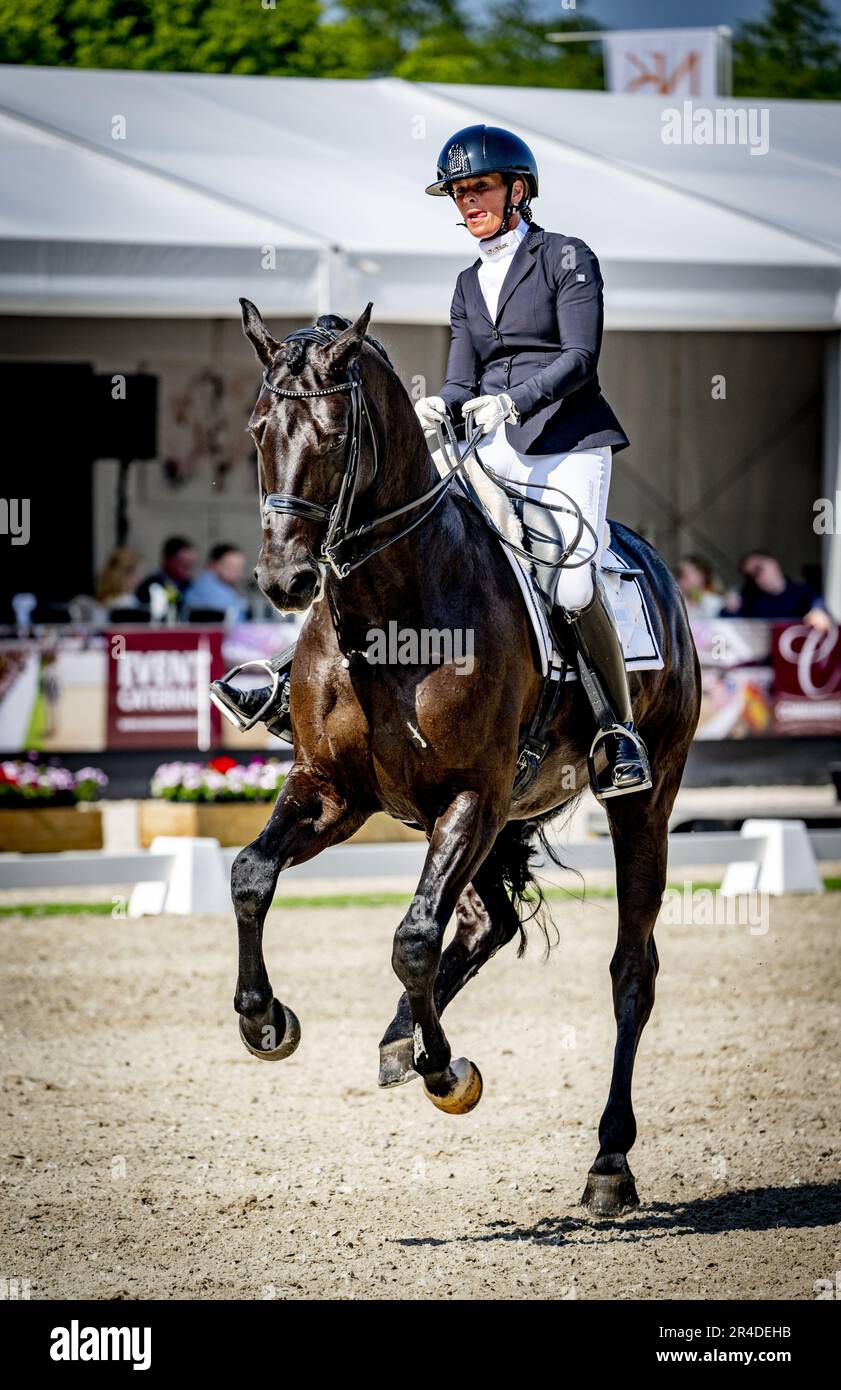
(145, 1154)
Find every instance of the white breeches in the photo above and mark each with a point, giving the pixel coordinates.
(584, 475)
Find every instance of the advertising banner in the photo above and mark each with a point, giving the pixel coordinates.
(157, 688)
(662, 62)
(147, 687)
(807, 680)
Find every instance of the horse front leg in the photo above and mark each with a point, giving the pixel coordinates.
(461, 838)
(640, 837)
(486, 919)
(308, 816)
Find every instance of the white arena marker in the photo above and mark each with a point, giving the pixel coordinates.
(197, 882)
(786, 863)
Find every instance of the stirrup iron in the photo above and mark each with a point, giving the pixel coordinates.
(603, 791)
(277, 669)
(230, 711)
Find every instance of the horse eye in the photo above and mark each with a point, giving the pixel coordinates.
(337, 440)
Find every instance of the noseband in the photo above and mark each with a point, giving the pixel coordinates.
(337, 517)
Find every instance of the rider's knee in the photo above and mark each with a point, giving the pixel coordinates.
(575, 588)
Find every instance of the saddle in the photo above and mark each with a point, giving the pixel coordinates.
(557, 659)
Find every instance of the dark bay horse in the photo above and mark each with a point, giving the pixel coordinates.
(434, 744)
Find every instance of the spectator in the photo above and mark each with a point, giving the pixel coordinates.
(697, 583)
(178, 565)
(769, 593)
(216, 585)
(114, 590)
(117, 584)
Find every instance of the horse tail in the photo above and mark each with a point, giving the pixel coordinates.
(516, 851)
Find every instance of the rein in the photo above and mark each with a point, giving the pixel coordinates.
(337, 517)
(450, 452)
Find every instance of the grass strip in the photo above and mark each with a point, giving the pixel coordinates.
(831, 885)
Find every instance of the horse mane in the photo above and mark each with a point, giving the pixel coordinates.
(296, 350)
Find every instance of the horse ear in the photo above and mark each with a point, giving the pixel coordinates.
(257, 333)
(348, 345)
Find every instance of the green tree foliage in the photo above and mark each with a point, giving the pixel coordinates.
(515, 52)
(424, 40)
(792, 52)
(239, 36)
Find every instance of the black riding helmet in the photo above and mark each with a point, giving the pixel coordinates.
(487, 149)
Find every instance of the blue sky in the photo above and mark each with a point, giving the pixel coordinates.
(649, 14)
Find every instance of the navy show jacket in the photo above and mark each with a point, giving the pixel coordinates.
(542, 350)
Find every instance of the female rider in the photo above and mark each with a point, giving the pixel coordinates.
(527, 320)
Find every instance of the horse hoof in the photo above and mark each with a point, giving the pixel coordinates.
(284, 1026)
(610, 1194)
(463, 1082)
(397, 1063)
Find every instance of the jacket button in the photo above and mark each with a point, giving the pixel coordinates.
(496, 332)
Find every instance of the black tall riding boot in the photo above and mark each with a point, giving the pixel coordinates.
(268, 705)
(594, 631)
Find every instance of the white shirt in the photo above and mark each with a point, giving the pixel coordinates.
(496, 253)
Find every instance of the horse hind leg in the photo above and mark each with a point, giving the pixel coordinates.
(459, 843)
(639, 827)
(486, 919)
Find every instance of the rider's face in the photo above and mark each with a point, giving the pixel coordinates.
(481, 202)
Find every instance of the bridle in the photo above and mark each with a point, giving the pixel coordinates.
(338, 532)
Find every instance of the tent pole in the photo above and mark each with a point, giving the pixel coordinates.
(831, 541)
(330, 279)
(725, 61)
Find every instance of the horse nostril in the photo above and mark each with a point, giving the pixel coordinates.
(301, 583)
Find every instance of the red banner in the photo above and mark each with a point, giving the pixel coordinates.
(807, 680)
(157, 688)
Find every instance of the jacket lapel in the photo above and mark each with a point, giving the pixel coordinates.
(521, 263)
(479, 306)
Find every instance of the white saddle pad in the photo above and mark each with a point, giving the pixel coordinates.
(629, 609)
(626, 596)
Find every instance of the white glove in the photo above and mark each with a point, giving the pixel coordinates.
(430, 410)
(488, 411)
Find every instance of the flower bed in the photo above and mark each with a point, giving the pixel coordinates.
(231, 803)
(225, 800)
(40, 808)
(29, 785)
(221, 780)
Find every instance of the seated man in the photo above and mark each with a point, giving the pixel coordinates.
(216, 585)
(178, 565)
(769, 593)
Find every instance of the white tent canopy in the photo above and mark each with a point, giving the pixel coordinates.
(307, 195)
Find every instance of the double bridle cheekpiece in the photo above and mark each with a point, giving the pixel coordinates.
(338, 534)
(338, 516)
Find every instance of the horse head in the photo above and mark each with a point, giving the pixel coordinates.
(306, 425)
